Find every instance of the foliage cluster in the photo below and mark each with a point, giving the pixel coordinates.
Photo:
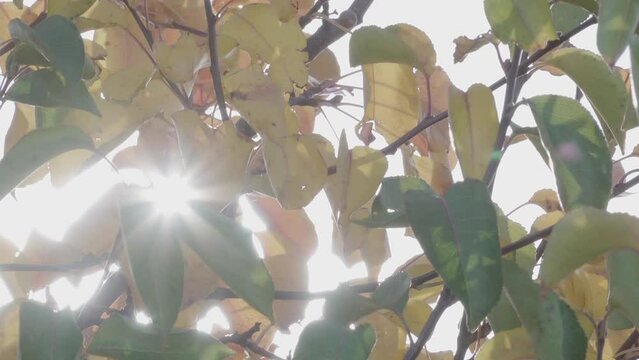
(225, 95)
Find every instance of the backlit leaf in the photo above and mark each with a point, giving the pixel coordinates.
(400, 44)
(34, 149)
(156, 260)
(474, 124)
(124, 339)
(616, 22)
(603, 88)
(464, 45)
(546, 199)
(69, 8)
(296, 169)
(391, 99)
(227, 248)
(327, 340)
(550, 323)
(581, 160)
(459, 236)
(9, 330)
(257, 29)
(179, 62)
(392, 293)
(566, 16)
(527, 23)
(598, 229)
(590, 5)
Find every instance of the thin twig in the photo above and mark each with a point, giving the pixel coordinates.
(630, 342)
(506, 117)
(145, 31)
(446, 299)
(211, 20)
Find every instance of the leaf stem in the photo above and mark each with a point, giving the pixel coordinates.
(211, 20)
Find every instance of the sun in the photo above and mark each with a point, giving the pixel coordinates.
(171, 195)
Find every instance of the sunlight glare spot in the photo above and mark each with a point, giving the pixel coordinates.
(213, 320)
(171, 194)
(143, 318)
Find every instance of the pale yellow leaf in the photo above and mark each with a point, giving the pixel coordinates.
(416, 313)
(464, 45)
(546, 199)
(546, 220)
(391, 338)
(257, 29)
(124, 84)
(391, 99)
(586, 293)
(23, 121)
(179, 62)
(259, 99)
(296, 168)
(474, 123)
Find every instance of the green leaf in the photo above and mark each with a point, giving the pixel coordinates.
(227, 248)
(36, 148)
(474, 123)
(156, 260)
(581, 160)
(392, 293)
(47, 335)
(45, 88)
(124, 339)
(389, 208)
(581, 236)
(566, 16)
(18, 3)
(617, 21)
(58, 40)
(327, 340)
(460, 238)
(345, 306)
(623, 274)
(527, 23)
(590, 5)
(603, 87)
(551, 324)
(400, 44)
(24, 54)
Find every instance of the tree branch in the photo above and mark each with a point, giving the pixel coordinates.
(211, 20)
(244, 340)
(329, 33)
(446, 299)
(308, 17)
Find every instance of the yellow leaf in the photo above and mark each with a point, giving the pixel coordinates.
(179, 62)
(257, 29)
(434, 173)
(324, 66)
(546, 199)
(293, 227)
(465, 45)
(512, 344)
(419, 43)
(391, 338)
(586, 293)
(391, 99)
(416, 313)
(190, 315)
(289, 272)
(434, 95)
(259, 99)
(296, 168)
(475, 124)
(354, 243)
(9, 330)
(546, 220)
(124, 84)
(123, 51)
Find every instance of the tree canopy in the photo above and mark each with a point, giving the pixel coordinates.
(221, 98)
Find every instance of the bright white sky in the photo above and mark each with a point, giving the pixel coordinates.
(521, 172)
